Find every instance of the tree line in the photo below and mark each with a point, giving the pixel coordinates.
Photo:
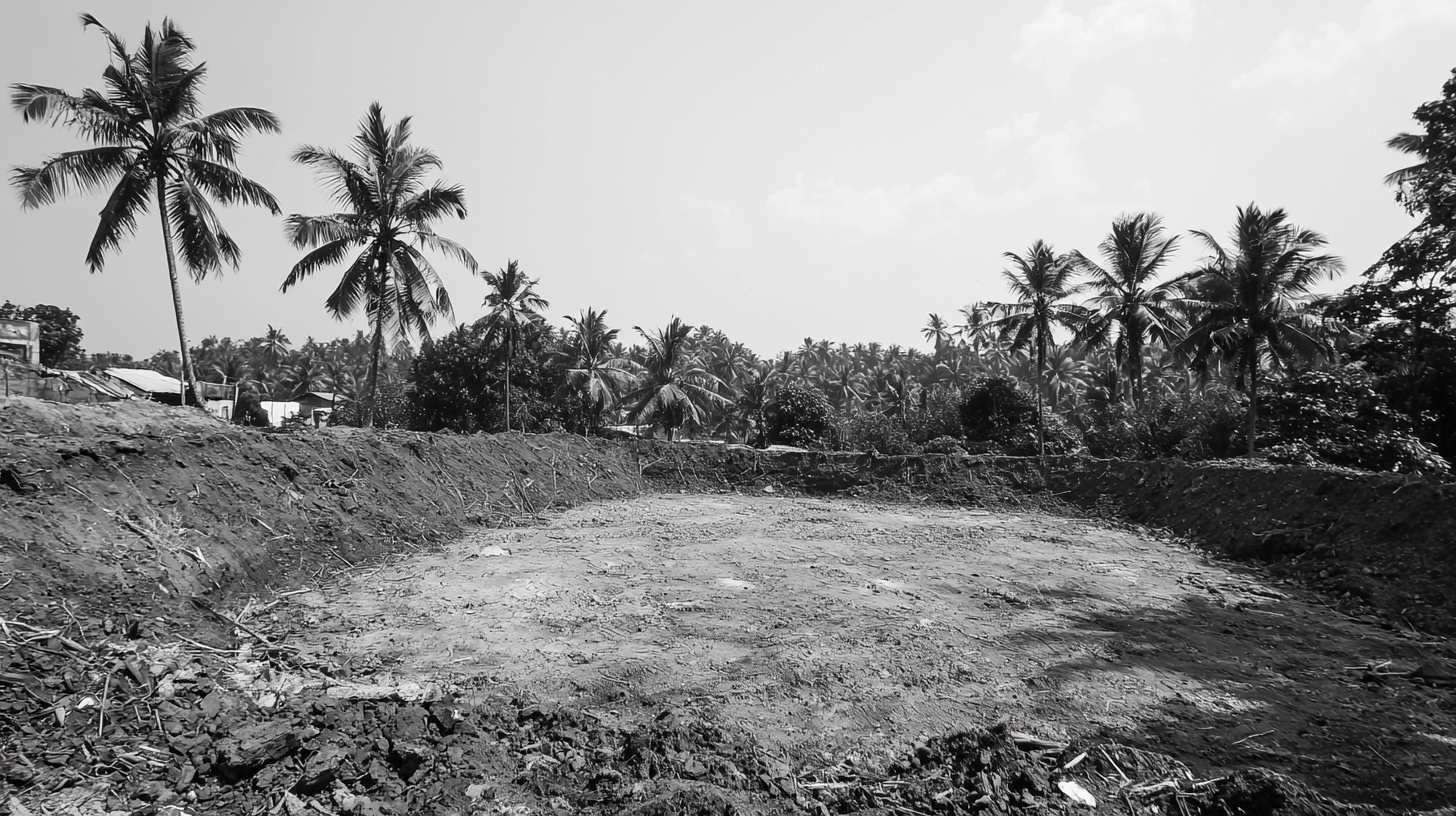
(1116, 352)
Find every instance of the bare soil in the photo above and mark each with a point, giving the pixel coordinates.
(201, 619)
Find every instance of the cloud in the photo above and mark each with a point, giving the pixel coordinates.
(1058, 171)
(1118, 108)
(705, 221)
(1058, 41)
(1021, 127)
(942, 204)
(1299, 58)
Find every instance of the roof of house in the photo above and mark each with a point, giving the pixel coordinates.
(146, 380)
(326, 396)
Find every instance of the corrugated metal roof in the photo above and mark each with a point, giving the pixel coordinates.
(146, 380)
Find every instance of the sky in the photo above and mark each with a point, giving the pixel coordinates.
(776, 170)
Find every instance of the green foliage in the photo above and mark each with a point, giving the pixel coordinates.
(60, 332)
(455, 384)
(939, 415)
(799, 415)
(947, 445)
(875, 432)
(995, 409)
(248, 411)
(1337, 417)
(1194, 426)
(393, 408)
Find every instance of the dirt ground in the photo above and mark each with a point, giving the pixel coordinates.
(200, 619)
(844, 629)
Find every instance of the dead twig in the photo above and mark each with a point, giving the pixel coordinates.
(1253, 736)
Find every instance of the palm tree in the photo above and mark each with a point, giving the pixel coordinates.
(275, 346)
(1040, 280)
(156, 146)
(937, 333)
(1250, 300)
(514, 305)
(388, 218)
(674, 388)
(596, 374)
(1127, 310)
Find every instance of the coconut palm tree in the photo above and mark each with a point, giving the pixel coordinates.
(514, 305)
(1040, 280)
(1250, 301)
(595, 374)
(275, 346)
(388, 217)
(675, 388)
(157, 147)
(937, 333)
(1127, 309)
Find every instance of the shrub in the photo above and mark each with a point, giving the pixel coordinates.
(248, 410)
(947, 445)
(876, 432)
(995, 409)
(800, 416)
(1337, 417)
(939, 415)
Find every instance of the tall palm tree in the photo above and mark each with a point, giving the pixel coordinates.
(1251, 297)
(388, 217)
(1040, 280)
(1127, 308)
(514, 305)
(275, 346)
(154, 143)
(595, 374)
(938, 333)
(675, 388)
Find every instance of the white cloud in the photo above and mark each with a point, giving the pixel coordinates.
(1118, 108)
(1021, 127)
(1300, 58)
(1058, 41)
(944, 203)
(1058, 171)
(703, 220)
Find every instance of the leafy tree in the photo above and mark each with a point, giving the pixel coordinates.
(1040, 280)
(514, 306)
(1251, 301)
(60, 331)
(675, 388)
(995, 409)
(937, 333)
(388, 217)
(157, 147)
(594, 374)
(799, 415)
(247, 410)
(1127, 308)
(453, 385)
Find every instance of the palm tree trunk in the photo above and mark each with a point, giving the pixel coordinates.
(1251, 353)
(189, 376)
(1040, 391)
(375, 347)
(508, 382)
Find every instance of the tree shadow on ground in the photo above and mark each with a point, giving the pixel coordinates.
(1224, 682)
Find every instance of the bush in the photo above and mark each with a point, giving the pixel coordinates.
(995, 410)
(800, 416)
(876, 432)
(948, 445)
(940, 415)
(1337, 417)
(392, 407)
(248, 410)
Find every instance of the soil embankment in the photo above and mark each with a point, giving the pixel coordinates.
(156, 568)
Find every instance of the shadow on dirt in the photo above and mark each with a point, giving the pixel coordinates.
(1240, 682)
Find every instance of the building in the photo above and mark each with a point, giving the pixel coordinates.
(20, 340)
(22, 379)
(319, 405)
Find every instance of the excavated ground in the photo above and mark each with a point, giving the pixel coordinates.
(199, 619)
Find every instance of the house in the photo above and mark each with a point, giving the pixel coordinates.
(152, 385)
(319, 405)
(21, 379)
(20, 340)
